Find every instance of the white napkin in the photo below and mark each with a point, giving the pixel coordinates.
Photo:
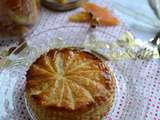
(138, 16)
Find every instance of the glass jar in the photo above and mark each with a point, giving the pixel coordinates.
(17, 17)
(62, 5)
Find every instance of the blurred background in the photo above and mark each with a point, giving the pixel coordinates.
(141, 16)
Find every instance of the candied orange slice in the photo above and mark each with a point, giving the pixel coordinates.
(103, 15)
(80, 17)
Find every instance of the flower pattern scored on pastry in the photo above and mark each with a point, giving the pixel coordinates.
(69, 78)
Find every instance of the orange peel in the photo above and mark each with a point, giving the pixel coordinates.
(103, 15)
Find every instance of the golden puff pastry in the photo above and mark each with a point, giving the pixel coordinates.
(70, 84)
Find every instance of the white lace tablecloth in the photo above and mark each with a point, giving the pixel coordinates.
(141, 103)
